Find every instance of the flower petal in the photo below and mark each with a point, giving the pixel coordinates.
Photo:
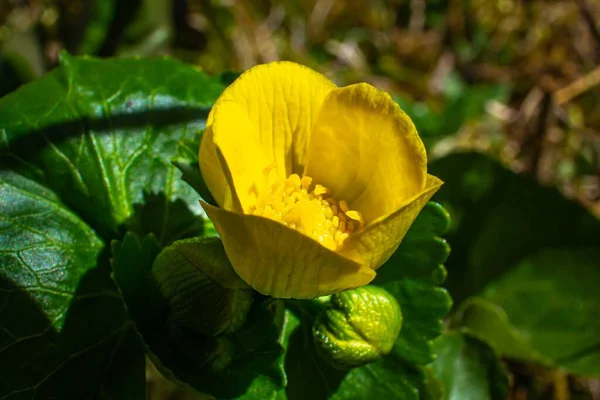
(281, 262)
(366, 150)
(281, 100)
(242, 158)
(211, 167)
(374, 245)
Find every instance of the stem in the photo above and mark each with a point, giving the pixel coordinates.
(561, 386)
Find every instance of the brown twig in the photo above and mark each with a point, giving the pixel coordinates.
(533, 144)
(578, 87)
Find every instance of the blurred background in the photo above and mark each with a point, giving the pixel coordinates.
(505, 94)
(517, 79)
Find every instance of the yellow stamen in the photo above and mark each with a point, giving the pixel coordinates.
(320, 190)
(356, 216)
(293, 203)
(344, 206)
(350, 226)
(306, 181)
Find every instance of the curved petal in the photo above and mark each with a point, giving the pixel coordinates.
(374, 245)
(281, 100)
(366, 150)
(281, 262)
(242, 159)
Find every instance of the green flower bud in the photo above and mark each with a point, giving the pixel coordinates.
(358, 326)
(203, 292)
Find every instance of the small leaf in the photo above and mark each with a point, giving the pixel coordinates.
(61, 317)
(242, 364)
(468, 369)
(544, 310)
(203, 291)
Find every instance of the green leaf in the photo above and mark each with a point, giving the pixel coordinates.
(468, 369)
(490, 322)
(414, 272)
(422, 251)
(432, 388)
(64, 332)
(130, 259)
(499, 218)
(203, 291)
(545, 310)
(243, 364)
(186, 160)
(101, 134)
(302, 362)
(388, 378)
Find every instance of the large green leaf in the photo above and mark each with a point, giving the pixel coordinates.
(499, 217)
(64, 332)
(468, 369)
(101, 134)
(545, 310)
(411, 276)
(241, 365)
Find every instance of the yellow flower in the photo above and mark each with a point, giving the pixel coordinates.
(317, 185)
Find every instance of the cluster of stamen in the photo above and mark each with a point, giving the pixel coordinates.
(307, 208)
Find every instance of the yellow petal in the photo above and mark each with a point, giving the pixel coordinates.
(281, 262)
(281, 100)
(242, 158)
(374, 245)
(366, 150)
(210, 165)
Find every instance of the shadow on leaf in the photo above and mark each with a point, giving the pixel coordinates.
(83, 160)
(225, 366)
(88, 341)
(168, 220)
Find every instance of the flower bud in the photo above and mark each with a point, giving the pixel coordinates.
(203, 292)
(357, 327)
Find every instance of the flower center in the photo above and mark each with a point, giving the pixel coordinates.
(309, 209)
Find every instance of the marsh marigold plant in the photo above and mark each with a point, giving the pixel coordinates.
(316, 184)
